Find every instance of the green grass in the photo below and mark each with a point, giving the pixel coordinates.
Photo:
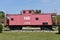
(29, 36)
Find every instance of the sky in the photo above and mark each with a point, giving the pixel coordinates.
(15, 6)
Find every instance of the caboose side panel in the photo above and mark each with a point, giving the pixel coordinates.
(15, 20)
(40, 19)
(30, 20)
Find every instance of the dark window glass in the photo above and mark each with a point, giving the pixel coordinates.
(23, 11)
(37, 18)
(29, 11)
(45, 23)
(12, 19)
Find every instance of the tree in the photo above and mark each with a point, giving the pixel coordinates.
(2, 14)
(1, 28)
(2, 17)
(37, 11)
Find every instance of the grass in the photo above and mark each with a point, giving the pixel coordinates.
(29, 36)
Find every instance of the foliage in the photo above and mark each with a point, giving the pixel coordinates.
(37, 11)
(59, 30)
(2, 17)
(58, 19)
(1, 28)
(2, 14)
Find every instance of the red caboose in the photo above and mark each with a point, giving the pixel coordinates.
(29, 18)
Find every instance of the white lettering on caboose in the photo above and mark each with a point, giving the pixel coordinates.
(27, 18)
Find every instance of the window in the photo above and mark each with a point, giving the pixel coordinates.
(12, 19)
(37, 19)
(23, 11)
(45, 23)
(29, 11)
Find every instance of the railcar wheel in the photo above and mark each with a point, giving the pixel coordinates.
(15, 27)
(42, 28)
(11, 28)
(20, 27)
(50, 28)
(46, 28)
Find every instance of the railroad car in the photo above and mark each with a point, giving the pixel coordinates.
(31, 19)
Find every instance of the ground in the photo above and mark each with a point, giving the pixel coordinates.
(29, 36)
